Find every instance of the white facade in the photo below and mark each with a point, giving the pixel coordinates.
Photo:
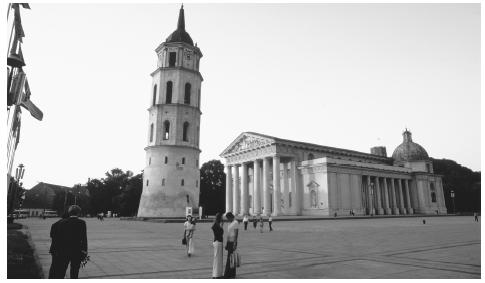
(319, 180)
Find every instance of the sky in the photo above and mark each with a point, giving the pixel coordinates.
(351, 76)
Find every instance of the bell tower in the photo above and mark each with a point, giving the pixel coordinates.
(171, 177)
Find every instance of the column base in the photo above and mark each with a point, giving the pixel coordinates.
(381, 211)
(402, 210)
(395, 211)
(410, 210)
(388, 211)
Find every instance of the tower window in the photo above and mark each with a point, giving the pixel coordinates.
(198, 98)
(172, 59)
(166, 159)
(185, 132)
(310, 156)
(151, 132)
(187, 196)
(182, 182)
(428, 167)
(149, 161)
(147, 182)
(166, 128)
(197, 136)
(168, 98)
(197, 162)
(183, 160)
(187, 93)
(196, 183)
(154, 95)
(163, 182)
(433, 192)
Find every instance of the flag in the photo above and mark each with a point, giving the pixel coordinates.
(34, 110)
(17, 21)
(25, 5)
(17, 87)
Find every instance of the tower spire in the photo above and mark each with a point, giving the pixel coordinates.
(181, 21)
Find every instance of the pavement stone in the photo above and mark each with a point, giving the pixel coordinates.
(444, 247)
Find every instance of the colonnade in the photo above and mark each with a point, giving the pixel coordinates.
(383, 195)
(237, 193)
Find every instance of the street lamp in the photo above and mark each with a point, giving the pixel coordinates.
(452, 194)
(14, 188)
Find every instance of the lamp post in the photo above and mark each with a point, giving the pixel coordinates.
(14, 187)
(452, 194)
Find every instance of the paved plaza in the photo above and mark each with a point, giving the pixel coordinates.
(444, 247)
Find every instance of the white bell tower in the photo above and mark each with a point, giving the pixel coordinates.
(171, 177)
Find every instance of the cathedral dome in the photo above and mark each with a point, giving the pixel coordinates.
(180, 35)
(409, 150)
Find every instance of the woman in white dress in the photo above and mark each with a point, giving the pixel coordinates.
(189, 235)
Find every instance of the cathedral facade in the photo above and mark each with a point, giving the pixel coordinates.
(272, 176)
(171, 175)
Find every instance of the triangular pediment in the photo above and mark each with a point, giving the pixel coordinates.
(313, 184)
(247, 142)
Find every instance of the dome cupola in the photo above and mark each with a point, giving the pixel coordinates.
(409, 150)
(180, 35)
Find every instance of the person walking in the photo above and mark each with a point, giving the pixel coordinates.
(270, 221)
(54, 248)
(255, 221)
(217, 263)
(476, 216)
(245, 221)
(189, 227)
(72, 245)
(231, 245)
(261, 224)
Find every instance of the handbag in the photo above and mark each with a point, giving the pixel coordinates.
(238, 259)
(184, 241)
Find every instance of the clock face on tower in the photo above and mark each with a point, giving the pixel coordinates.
(187, 54)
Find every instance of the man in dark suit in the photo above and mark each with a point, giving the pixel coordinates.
(72, 243)
(54, 249)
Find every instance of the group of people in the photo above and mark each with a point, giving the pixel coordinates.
(218, 271)
(69, 244)
(256, 221)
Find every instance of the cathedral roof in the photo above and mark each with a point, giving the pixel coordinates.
(180, 35)
(409, 150)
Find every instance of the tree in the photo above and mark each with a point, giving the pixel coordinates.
(129, 199)
(212, 187)
(463, 181)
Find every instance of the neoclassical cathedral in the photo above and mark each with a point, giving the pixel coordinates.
(267, 175)
(171, 176)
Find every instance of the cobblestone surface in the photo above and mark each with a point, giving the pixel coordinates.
(445, 247)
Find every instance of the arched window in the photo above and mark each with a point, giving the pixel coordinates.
(433, 192)
(196, 183)
(187, 93)
(182, 182)
(166, 159)
(310, 156)
(197, 136)
(151, 132)
(186, 132)
(147, 182)
(163, 182)
(187, 196)
(154, 95)
(166, 130)
(183, 160)
(168, 95)
(149, 161)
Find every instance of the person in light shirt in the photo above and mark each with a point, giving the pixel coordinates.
(189, 226)
(231, 244)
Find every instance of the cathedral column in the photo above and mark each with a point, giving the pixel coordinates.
(395, 209)
(236, 193)
(257, 187)
(408, 199)
(285, 189)
(276, 185)
(386, 198)
(266, 194)
(244, 190)
(379, 209)
(228, 188)
(293, 186)
(401, 198)
(370, 196)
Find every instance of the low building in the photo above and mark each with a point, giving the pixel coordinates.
(42, 197)
(273, 176)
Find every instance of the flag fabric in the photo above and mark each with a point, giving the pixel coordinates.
(17, 21)
(34, 110)
(17, 87)
(25, 5)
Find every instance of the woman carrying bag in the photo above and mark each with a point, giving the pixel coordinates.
(189, 235)
(231, 246)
